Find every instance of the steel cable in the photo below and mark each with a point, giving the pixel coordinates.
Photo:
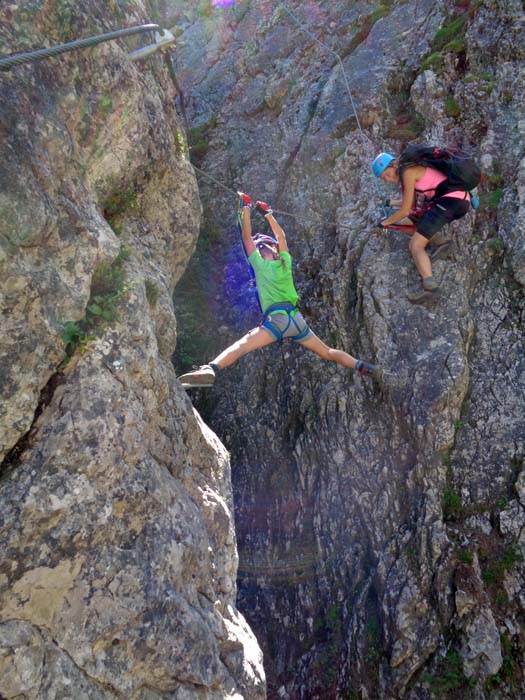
(8, 62)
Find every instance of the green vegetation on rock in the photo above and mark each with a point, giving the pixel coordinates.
(449, 676)
(108, 287)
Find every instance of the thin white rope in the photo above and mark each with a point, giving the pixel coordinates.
(347, 86)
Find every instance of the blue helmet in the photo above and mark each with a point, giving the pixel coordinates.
(381, 163)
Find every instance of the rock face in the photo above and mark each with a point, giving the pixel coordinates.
(119, 560)
(380, 528)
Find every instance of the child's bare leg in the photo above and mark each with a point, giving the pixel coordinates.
(254, 339)
(205, 375)
(342, 358)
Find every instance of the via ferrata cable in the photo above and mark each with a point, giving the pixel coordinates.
(7, 62)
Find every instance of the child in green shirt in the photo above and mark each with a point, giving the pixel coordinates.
(272, 264)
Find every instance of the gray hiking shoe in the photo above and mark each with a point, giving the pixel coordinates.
(199, 378)
(428, 291)
(420, 295)
(367, 369)
(430, 284)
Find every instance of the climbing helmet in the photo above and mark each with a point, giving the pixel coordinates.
(263, 240)
(381, 163)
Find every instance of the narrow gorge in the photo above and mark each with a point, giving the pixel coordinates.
(296, 532)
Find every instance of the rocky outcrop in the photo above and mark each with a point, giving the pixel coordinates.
(118, 567)
(379, 528)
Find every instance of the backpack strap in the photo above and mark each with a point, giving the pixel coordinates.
(445, 187)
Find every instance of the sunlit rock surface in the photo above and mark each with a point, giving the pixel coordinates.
(119, 561)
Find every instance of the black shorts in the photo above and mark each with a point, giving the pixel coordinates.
(444, 210)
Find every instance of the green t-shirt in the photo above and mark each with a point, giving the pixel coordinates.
(274, 282)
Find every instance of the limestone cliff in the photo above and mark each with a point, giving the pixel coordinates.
(380, 529)
(118, 565)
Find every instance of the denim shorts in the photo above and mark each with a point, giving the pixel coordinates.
(445, 210)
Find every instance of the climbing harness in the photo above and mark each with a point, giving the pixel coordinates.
(161, 41)
(290, 310)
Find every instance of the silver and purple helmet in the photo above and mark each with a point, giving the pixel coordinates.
(263, 240)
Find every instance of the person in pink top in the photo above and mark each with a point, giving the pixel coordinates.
(421, 206)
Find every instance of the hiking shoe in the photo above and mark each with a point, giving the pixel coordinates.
(430, 284)
(428, 291)
(367, 369)
(244, 200)
(442, 251)
(199, 378)
(263, 208)
(421, 295)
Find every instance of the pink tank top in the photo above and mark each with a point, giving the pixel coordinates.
(429, 182)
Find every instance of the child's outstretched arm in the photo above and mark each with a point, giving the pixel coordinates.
(246, 224)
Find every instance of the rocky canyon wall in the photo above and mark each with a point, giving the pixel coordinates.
(380, 528)
(118, 565)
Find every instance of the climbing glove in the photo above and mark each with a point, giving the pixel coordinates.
(244, 200)
(263, 208)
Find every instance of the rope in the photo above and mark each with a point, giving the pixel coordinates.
(390, 227)
(18, 59)
(275, 211)
(347, 86)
